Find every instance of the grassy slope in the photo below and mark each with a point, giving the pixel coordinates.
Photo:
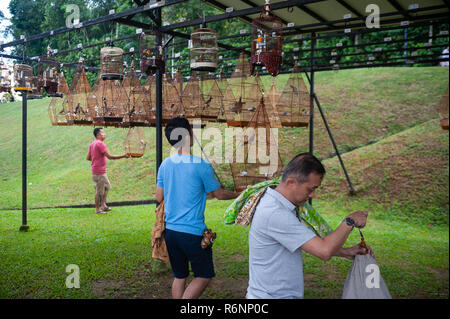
(402, 180)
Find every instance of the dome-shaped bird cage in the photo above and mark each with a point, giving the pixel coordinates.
(152, 55)
(36, 90)
(293, 106)
(267, 41)
(247, 93)
(203, 51)
(272, 98)
(48, 71)
(80, 89)
(5, 78)
(23, 78)
(214, 109)
(134, 143)
(443, 111)
(192, 97)
(250, 167)
(58, 109)
(113, 103)
(139, 101)
(111, 63)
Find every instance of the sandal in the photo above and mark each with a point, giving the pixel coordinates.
(101, 212)
(106, 209)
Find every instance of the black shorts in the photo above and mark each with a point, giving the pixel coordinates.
(186, 248)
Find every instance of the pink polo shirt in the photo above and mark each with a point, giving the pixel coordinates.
(98, 158)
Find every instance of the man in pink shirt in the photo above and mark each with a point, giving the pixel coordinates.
(98, 152)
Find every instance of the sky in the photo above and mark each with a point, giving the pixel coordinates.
(4, 8)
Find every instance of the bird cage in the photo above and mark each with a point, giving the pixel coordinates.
(152, 55)
(255, 169)
(80, 89)
(48, 71)
(222, 81)
(294, 103)
(214, 109)
(111, 63)
(443, 111)
(58, 109)
(203, 50)
(23, 78)
(5, 78)
(247, 92)
(113, 103)
(272, 99)
(192, 97)
(178, 81)
(172, 104)
(139, 101)
(36, 90)
(267, 41)
(134, 143)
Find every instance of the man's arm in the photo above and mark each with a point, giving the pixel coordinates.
(88, 157)
(159, 194)
(114, 157)
(223, 194)
(331, 245)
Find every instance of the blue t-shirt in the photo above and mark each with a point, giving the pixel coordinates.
(186, 179)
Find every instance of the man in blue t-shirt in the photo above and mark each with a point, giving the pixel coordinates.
(183, 183)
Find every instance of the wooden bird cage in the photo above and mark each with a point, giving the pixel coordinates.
(36, 90)
(113, 103)
(254, 169)
(272, 98)
(23, 78)
(5, 78)
(294, 103)
(246, 94)
(178, 81)
(267, 41)
(222, 81)
(134, 143)
(203, 50)
(152, 55)
(58, 109)
(80, 89)
(443, 111)
(111, 63)
(192, 97)
(139, 101)
(214, 108)
(48, 71)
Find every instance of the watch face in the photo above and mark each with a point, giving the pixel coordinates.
(350, 221)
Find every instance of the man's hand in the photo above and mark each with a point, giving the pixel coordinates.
(360, 218)
(127, 155)
(351, 252)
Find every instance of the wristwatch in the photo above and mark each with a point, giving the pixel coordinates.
(349, 221)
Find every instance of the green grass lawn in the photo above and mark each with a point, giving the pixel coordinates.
(402, 180)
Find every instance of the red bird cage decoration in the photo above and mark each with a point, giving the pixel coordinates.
(267, 41)
(252, 164)
(58, 108)
(139, 101)
(111, 63)
(48, 71)
(203, 50)
(443, 111)
(80, 89)
(246, 94)
(293, 106)
(23, 78)
(152, 55)
(134, 143)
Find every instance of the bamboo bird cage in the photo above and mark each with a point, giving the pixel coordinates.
(113, 103)
(23, 78)
(294, 103)
(139, 101)
(111, 63)
(48, 71)
(134, 143)
(152, 55)
(58, 108)
(5, 78)
(192, 97)
(443, 111)
(203, 50)
(36, 90)
(80, 89)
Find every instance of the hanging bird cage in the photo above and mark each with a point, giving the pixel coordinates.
(178, 81)
(222, 81)
(23, 78)
(214, 108)
(48, 71)
(152, 55)
(294, 103)
(80, 90)
(58, 109)
(267, 41)
(113, 103)
(192, 97)
(443, 111)
(139, 101)
(36, 90)
(203, 50)
(272, 99)
(5, 78)
(134, 143)
(111, 63)
(255, 169)
(247, 93)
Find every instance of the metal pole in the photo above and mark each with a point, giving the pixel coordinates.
(24, 226)
(311, 100)
(159, 76)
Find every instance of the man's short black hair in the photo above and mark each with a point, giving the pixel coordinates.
(177, 128)
(97, 130)
(301, 166)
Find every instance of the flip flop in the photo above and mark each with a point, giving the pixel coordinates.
(101, 212)
(107, 209)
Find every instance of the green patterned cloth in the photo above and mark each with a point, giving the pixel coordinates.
(306, 213)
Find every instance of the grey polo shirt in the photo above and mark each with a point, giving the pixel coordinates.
(275, 256)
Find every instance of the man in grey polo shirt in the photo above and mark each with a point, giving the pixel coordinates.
(277, 238)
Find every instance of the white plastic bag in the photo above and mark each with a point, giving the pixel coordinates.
(364, 280)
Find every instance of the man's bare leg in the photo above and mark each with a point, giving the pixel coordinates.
(104, 199)
(98, 200)
(178, 287)
(196, 288)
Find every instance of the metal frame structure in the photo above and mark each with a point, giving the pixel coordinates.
(318, 19)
